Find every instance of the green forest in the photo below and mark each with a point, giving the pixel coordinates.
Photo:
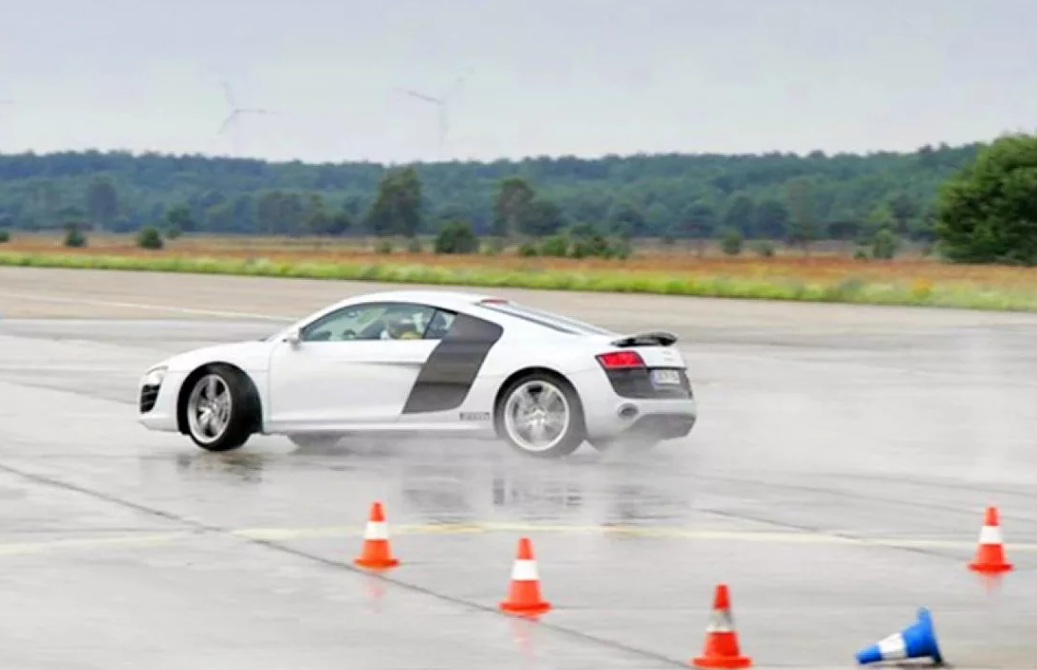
(774, 196)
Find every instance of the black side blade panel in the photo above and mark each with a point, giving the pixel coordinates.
(453, 365)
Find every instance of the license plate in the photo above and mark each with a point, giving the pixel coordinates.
(665, 377)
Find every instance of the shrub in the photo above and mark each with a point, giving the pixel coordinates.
(765, 249)
(984, 213)
(731, 242)
(496, 246)
(5, 236)
(580, 249)
(884, 244)
(456, 238)
(594, 245)
(527, 249)
(75, 238)
(414, 246)
(149, 237)
(555, 245)
(623, 250)
(384, 247)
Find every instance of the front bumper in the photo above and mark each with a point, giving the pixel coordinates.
(156, 402)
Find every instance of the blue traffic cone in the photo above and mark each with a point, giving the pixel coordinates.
(916, 641)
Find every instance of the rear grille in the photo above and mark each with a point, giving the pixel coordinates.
(148, 396)
(637, 383)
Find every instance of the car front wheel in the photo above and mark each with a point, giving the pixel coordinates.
(540, 415)
(219, 409)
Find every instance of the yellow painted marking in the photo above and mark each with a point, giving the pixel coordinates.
(658, 532)
(671, 532)
(23, 548)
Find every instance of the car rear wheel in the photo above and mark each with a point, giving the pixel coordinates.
(219, 409)
(540, 415)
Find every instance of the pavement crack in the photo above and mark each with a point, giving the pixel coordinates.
(339, 565)
(813, 530)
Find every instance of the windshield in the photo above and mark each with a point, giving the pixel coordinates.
(551, 320)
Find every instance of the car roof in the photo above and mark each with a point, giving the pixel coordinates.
(431, 296)
(522, 317)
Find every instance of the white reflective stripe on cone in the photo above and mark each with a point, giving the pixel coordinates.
(524, 571)
(720, 622)
(376, 530)
(990, 535)
(893, 647)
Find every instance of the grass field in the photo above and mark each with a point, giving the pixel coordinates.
(828, 274)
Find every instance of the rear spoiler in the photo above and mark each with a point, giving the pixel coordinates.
(650, 338)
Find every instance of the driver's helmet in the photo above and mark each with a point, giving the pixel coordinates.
(401, 327)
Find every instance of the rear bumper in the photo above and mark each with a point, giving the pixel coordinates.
(657, 413)
(655, 419)
(669, 426)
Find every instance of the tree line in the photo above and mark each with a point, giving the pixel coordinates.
(776, 196)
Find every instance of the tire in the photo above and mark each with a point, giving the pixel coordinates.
(234, 413)
(561, 395)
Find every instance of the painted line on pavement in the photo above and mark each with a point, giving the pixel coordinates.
(34, 548)
(147, 306)
(274, 534)
(662, 532)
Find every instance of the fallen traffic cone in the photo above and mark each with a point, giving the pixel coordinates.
(916, 641)
(376, 552)
(524, 591)
(721, 649)
(990, 554)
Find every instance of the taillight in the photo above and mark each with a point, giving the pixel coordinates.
(621, 359)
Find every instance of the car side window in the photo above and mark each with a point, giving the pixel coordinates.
(439, 324)
(374, 321)
(341, 323)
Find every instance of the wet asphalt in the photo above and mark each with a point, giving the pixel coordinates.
(836, 483)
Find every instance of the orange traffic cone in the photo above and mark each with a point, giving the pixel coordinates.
(376, 552)
(721, 649)
(990, 554)
(524, 592)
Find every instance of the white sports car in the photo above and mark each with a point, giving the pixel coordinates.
(428, 362)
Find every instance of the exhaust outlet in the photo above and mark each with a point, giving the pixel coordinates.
(628, 411)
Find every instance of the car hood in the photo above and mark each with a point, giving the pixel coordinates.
(248, 355)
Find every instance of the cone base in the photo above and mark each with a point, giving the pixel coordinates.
(525, 608)
(990, 567)
(376, 562)
(722, 661)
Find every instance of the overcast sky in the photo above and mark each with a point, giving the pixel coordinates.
(583, 77)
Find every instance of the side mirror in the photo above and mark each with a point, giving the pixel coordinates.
(293, 337)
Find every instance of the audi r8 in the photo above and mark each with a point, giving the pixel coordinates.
(427, 362)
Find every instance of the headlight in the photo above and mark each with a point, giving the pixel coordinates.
(154, 376)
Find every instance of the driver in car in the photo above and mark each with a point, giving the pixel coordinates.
(400, 327)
